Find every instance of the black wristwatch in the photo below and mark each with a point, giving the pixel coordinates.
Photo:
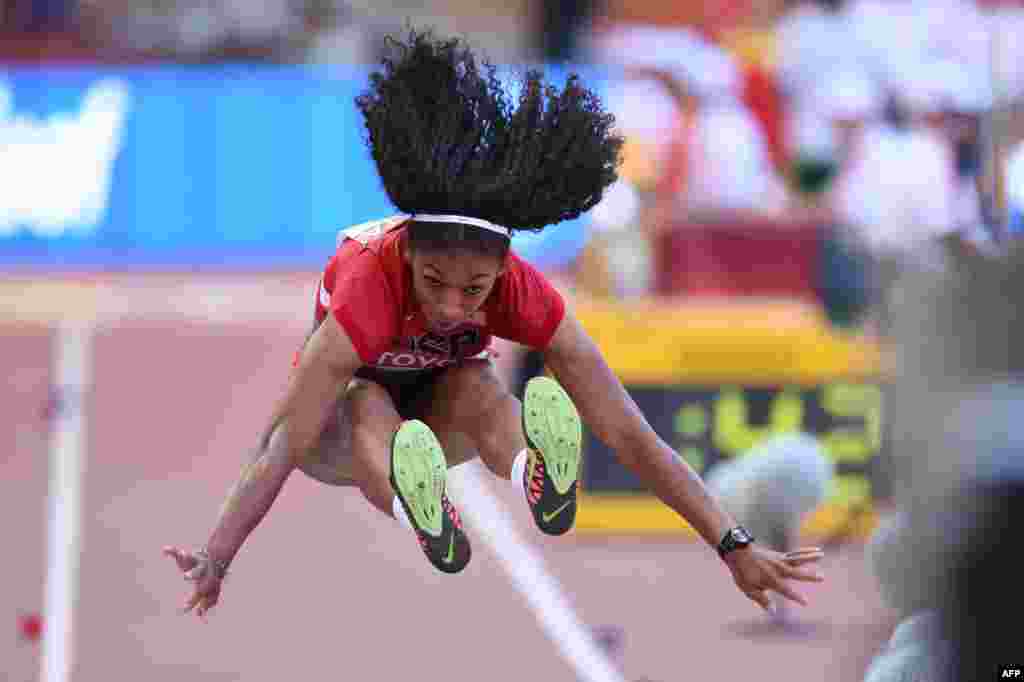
(734, 538)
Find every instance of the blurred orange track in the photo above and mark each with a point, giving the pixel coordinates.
(326, 586)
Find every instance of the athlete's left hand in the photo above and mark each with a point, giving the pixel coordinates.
(757, 570)
(198, 569)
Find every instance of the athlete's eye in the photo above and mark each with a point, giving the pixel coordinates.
(434, 283)
(473, 291)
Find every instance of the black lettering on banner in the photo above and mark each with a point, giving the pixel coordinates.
(707, 425)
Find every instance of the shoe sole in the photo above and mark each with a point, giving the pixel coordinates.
(552, 425)
(418, 470)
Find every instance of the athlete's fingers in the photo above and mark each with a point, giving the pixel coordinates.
(803, 556)
(802, 574)
(202, 607)
(208, 603)
(788, 592)
(185, 560)
(761, 599)
(192, 601)
(802, 561)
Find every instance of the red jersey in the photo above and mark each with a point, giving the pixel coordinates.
(367, 287)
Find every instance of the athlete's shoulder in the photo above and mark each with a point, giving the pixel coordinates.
(525, 306)
(369, 290)
(518, 269)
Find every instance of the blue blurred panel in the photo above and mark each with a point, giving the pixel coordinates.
(262, 164)
(345, 187)
(154, 185)
(555, 247)
(1016, 223)
(188, 167)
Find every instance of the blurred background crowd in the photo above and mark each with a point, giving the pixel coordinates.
(780, 112)
(821, 131)
(862, 157)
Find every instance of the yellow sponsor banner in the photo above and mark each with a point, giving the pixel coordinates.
(696, 367)
(644, 514)
(662, 343)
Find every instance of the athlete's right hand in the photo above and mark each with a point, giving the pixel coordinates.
(198, 569)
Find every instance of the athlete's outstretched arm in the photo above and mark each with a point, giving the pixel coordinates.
(327, 365)
(609, 411)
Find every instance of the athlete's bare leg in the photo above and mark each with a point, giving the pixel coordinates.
(355, 446)
(359, 450)
(374, 422)
(472, 400)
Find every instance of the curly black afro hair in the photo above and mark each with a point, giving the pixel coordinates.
(446, 139)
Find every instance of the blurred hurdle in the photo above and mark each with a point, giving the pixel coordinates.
(72, 359)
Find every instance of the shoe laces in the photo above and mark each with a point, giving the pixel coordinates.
(451, 511)
(535, 486)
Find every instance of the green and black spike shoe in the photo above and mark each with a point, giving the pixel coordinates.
(554, 435)
(418, 470)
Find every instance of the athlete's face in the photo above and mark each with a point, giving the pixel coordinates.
(451, 285)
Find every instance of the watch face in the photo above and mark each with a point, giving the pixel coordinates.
(734, 539)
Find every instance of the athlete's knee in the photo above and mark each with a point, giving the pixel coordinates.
(368, 401)
(471, 374)
(503, 409)
(373, 419)
(474, 386)
(370, 457)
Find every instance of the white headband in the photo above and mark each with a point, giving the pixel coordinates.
(465, 220)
